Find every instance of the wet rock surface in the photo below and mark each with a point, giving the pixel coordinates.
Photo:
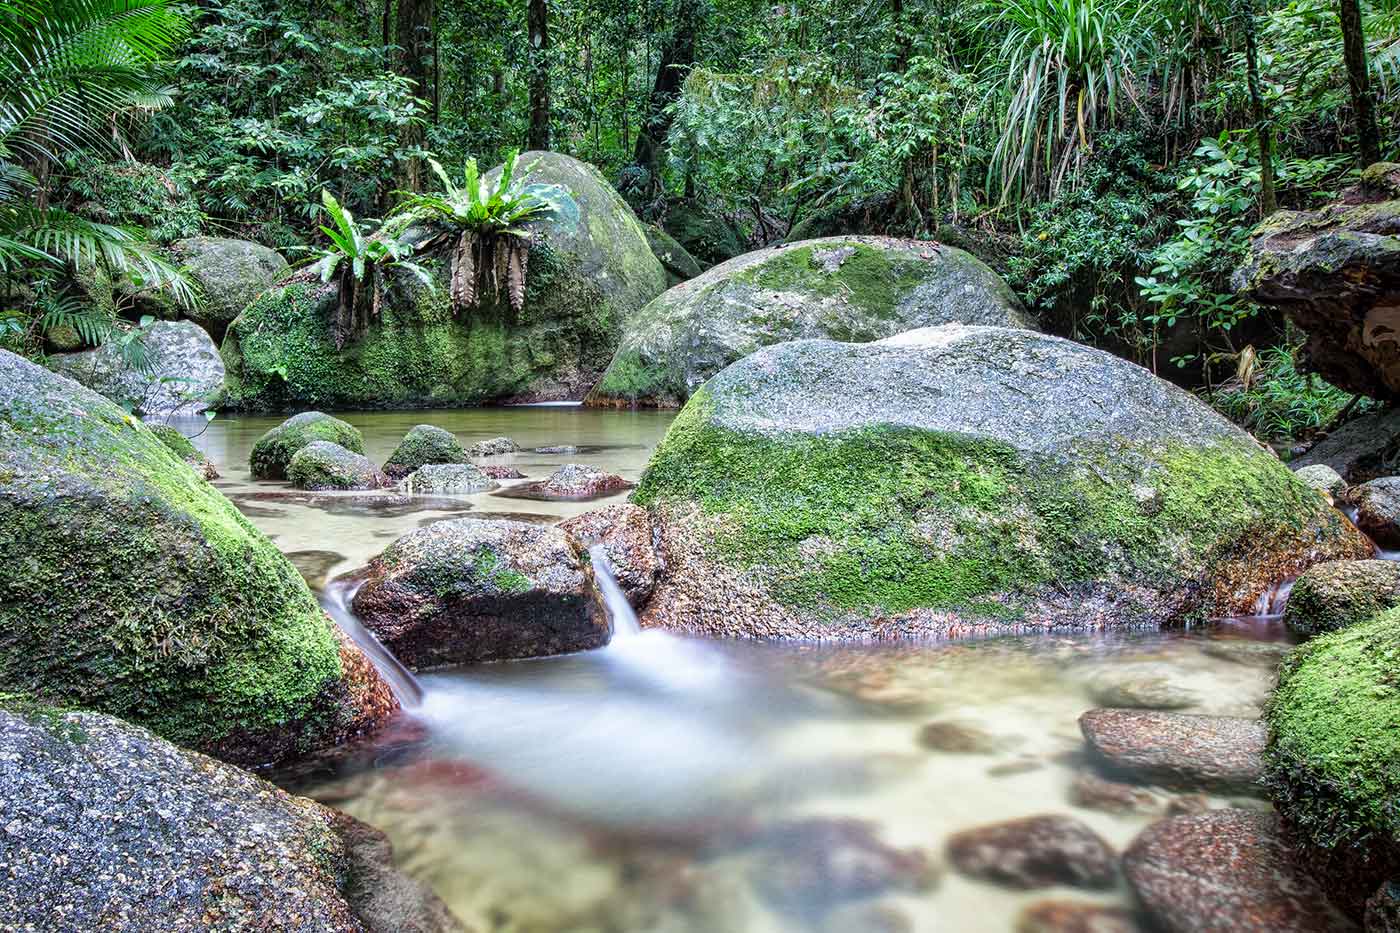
(273, 451)
(465, 590)
(422, 445)
(1377, 505)
(842, 288)
(820, 863)
(1097, 793)
(323, 465)
(1323, 478)
(1228, 871)
(1035, 852)
(1361, 449)
(1140, 686)
(315, 566)
(493, 447)
(1220, 754)
(960, 738)
(1076, 917)
(186, 370)
(1336, 594)
(447, 479)
(572, 482)
(624, 530)
(108, 826)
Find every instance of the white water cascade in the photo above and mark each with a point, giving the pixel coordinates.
(624, 620)
(336, 601)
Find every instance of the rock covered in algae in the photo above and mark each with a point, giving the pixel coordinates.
(137, 589)
(273, 452)
(1338, 593)
(841, 288)
(466, 590)
(181, 447)
(960, 480)
(322, 465)
(590, 270)
(109, 827)
(422, 445)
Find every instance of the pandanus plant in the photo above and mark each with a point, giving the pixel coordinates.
(359, 262)
(493, 246)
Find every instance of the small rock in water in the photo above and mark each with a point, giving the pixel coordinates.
(447, 479)
(1251, 653)
(1220, 754)
(1184, 804)
(492, 448)
(1139, 686)
(961, 739)
(422, 445)
(323, 465)
(1075, 917)
(1023, 765)
(572, 482)
(1035, 852)
(1378, 509)
(1227, 871)
(1095, 793)
(502, 472)
(624, 530)
(315, 566)
(814, 864)
(559, 449)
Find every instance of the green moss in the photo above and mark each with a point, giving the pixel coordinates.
(140, 591)
(887, 519)
(631, 380)
(272, 454)
(422, 445)
(872, 279)
(1333, 762)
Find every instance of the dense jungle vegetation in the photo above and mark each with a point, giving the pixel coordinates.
(1109, 157)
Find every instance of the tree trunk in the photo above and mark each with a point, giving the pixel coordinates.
(902, 48)
(1268, 202)
(415, 40)
(537, 22)
(385, 23)
(1354, 51)
(677, 56)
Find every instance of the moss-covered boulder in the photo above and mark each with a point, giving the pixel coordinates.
(133, 587)
(109, 827)
(680, 266)
(228, 274)
(181, 447)
(957, 480)
(1339, 593)
(273, 452)
(422, 445)
(590, 270)
(1333, 762)
(185, 372)
(467, 590)
(841, 288)
(322, 465)
(703, 233)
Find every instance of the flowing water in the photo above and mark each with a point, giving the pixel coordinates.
(679, 786)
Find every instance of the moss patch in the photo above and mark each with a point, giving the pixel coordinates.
(272, 454)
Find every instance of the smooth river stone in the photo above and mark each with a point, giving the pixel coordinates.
(1035, 852)
(1217, 754)
(1227, 871)
(1075, 917)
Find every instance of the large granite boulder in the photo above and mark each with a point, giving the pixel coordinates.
(1361, 449)
(1338, 593)
(133, 587)
(185, 372)
(273, 452)
(842, 288)
(109, 827)
(958, 480)
(1336, 273)
(447, 479)
(590, 270)
(228, 274)
(466, 590)
(1333, 762)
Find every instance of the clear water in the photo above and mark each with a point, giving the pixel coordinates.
(672, 785)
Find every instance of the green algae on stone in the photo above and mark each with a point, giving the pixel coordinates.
(964, 477)
(322, 465)
(422, 445)
(273, 452)
(135, 588)
(841, 288)
(1333, 762)
(590, 270)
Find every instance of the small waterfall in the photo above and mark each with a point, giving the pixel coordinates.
(336, 601)
(624, 620)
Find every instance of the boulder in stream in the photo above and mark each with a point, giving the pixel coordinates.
(1338, 593)
(185, 372)
(1377, 505)
(273, 451)
(110, 827)
(493, 447)
(447, 479)
(323, 465)
(590, 271)
(1035, 852)
(1217, 754)
(842, 288)
(572, 482)
(422, 445)
(465, 590)
(624, 530)
(135, 588)
(965, 480)
(1227, 871)
(1323, 478)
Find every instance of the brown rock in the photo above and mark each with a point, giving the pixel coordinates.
(502, 472)
(1075, 917)
(1377, 506)
(624, 530)
(960, 738)
(1220, 754)
(1227, 871)
(1383, 909)
(815, 864)
(1095, 793)
(1035, 852)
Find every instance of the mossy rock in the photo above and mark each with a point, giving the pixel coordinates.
(229, 274)
(590, 271)
(447, 479)
(853, 289)
(273, 452)
(680, 266)
(322, 465)
(1333, 762)
(181, 447)
(1336, 594)
(135, 588)
(184, 376)
(960, 480)
(703, 233)
(422, 445)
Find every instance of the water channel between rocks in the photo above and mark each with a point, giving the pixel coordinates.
(666, 784)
